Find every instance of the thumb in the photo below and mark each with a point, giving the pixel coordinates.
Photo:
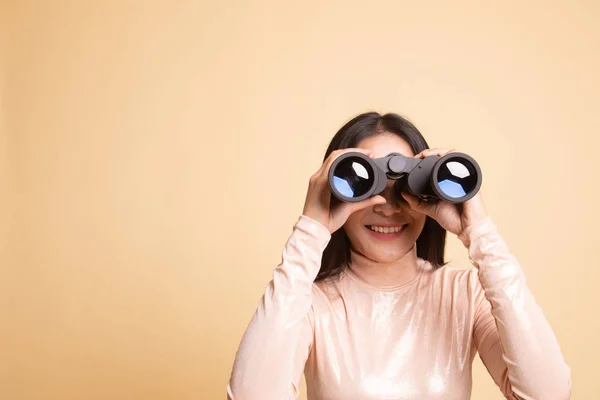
(371, 201)
(419, 205)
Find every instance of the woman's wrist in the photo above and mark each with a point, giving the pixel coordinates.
(475, 230)
(314, 227)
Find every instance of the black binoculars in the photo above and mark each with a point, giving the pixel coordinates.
(454, 177)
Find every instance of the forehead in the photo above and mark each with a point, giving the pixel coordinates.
(386, 143)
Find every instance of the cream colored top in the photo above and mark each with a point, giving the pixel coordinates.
(416, 340)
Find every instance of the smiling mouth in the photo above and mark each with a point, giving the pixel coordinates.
(390, 231)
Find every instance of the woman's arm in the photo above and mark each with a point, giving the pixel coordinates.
(271, 357)
(514, 340)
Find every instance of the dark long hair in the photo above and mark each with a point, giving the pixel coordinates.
(432, 240)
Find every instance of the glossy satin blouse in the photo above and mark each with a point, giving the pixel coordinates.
(416, 340)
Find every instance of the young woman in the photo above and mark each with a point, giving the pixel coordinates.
(364, 304)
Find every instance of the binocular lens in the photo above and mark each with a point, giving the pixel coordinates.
(353, 177)
(456, 178)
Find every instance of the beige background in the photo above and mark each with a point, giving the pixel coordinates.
(155, 155)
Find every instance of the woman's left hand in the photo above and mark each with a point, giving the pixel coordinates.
(452, 217)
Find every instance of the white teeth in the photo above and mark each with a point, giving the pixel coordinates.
(386, 229)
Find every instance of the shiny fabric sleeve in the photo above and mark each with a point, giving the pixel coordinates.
(513, 338)
(273, 350)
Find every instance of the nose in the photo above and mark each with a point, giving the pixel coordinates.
(393, 203)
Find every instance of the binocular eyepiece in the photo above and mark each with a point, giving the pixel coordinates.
(454, 177)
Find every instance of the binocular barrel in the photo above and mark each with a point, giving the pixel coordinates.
(455, 177)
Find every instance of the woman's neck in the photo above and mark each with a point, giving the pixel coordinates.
(385, 275)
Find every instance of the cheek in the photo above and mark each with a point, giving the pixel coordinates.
(353, 224)
(419, 224)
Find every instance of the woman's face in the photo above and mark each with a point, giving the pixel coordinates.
(382, 247)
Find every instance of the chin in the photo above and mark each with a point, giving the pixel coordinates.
(383, 251)
(386, 257)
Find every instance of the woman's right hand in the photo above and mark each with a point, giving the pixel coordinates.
(318, 198)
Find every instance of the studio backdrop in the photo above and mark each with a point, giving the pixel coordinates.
(154, 156)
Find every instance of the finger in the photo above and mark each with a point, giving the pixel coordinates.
(336, 153)
(430, 152)
(371, 201)
(419, 205)
(434, 152)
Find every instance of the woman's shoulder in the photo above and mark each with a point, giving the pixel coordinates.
(328, 288)
(450, 271)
